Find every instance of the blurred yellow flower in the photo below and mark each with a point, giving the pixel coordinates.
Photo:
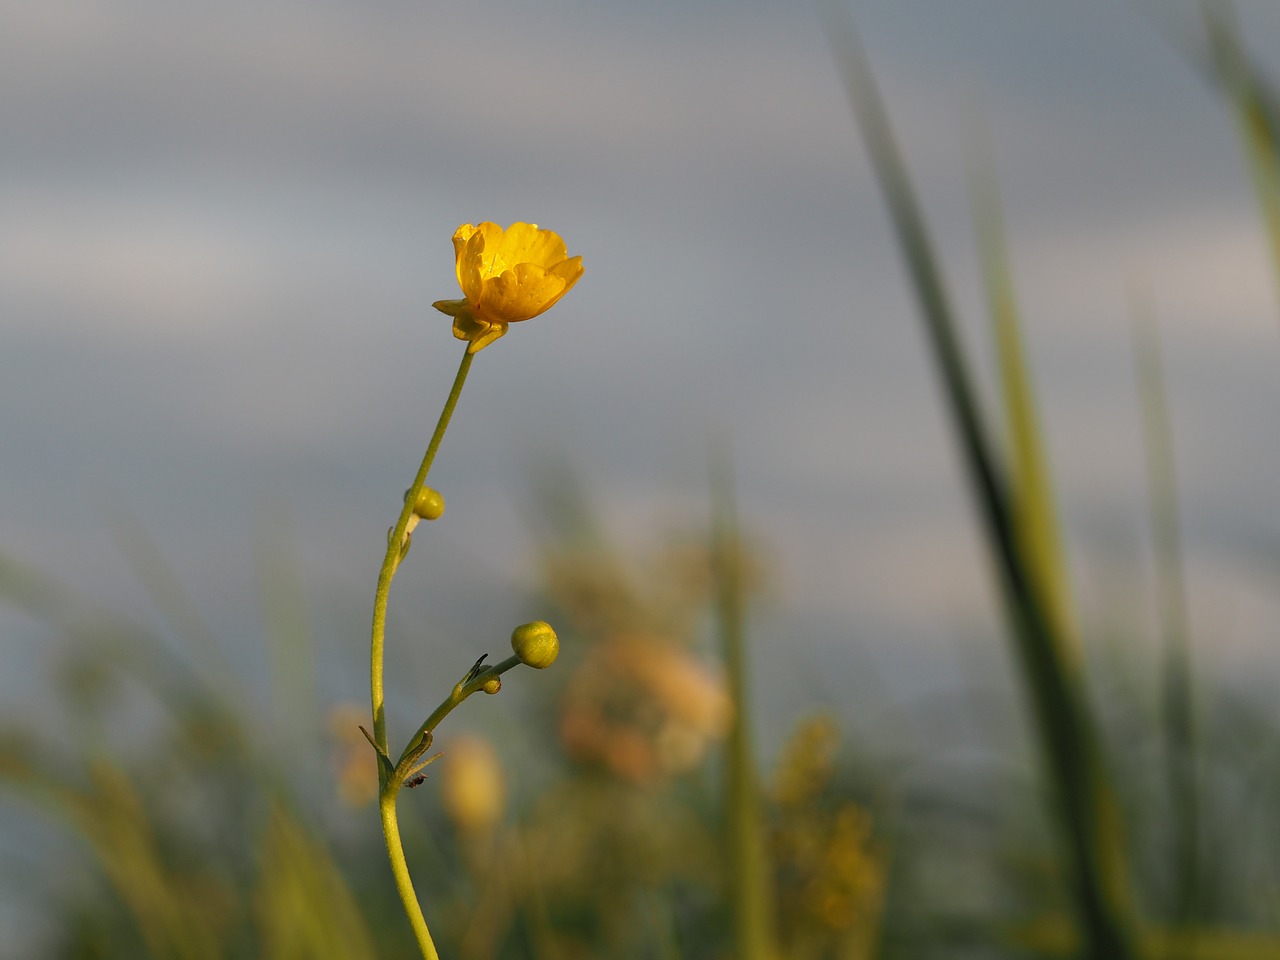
(353, 761)
(506, 276)
(825, 847)
(474, 792)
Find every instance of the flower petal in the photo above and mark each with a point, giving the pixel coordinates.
(461, 236)
(569, 270)
(519, 294)
(525, 243)
(470, 256)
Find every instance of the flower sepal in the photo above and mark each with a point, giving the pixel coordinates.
(451, 307)
(481, 333)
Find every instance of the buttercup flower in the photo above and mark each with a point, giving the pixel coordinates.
(506, 276)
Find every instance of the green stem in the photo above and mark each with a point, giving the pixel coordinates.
(389, 784)
(418, 744)
(460, 692)
(400, 870)
(392, 560)
(749, 886)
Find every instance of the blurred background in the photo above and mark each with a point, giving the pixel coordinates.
(221, 230)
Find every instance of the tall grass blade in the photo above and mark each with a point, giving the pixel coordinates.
(151, 567)
(168, 913)
(304, 907)
(1177, 705)
(1257, 111)
(1067, 742)
(1032, 501)
(749, 880)
(108, 638)
(287, 632)
(1213, 945)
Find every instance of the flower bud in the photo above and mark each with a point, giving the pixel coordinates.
(492, 685)
(536, 644)
(429, 505)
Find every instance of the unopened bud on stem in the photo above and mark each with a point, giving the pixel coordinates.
(536, 644)
(429, 505)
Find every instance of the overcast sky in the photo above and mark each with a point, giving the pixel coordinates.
(222, 226)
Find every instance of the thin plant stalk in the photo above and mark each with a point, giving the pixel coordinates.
(400, 870)
(1177, 702)
(748, 860)
(1031, 493)
(390, 778)
(1068, 744)
(410, 762)
(392, 559)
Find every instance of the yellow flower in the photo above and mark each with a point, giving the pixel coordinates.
(474, 789)
(506, 276)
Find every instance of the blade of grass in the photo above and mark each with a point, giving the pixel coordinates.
(749, 882)
(111, 638)
(166, 909)
(1067, 743)
(304, 907)
(1256, 109)
(287, 633)
(1204, 943)
(1177, 706)
(154, 573)
(1032, 501)
(1211, 944)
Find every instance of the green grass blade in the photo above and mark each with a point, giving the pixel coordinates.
(749, 880)
(287, 632)
(106, 638)
(1032, 503)
(304, 908)
(1068, 746)
(156, 576)
(1032, 500)
(1177, 706)
(1211, 944)
(1257, 111)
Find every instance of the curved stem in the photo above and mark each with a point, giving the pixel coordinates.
(389, 781)
(400, 870)
(392, 560)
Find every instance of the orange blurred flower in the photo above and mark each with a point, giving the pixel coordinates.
(643, 709)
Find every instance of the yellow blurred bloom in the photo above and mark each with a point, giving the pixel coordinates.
(353, 761)
(833, 872)
(473, 790)
(506, 276)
